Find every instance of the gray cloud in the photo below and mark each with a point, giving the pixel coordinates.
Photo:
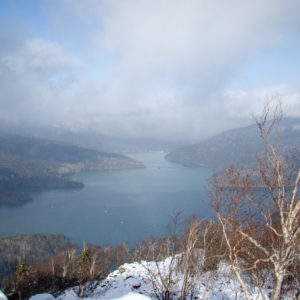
(147, 68)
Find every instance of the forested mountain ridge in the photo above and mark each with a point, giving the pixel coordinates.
(50, 150)
(31, 162)
(237, 146)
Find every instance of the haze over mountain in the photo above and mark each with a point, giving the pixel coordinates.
(146, 69)
(237, 146)
(91, 138)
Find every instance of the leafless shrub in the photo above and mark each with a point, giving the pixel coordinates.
(198, 250)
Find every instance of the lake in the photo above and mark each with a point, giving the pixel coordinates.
(114, 206)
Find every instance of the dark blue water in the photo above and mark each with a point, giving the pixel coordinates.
(114, 206)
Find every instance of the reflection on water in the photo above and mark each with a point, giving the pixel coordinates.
(114, 206)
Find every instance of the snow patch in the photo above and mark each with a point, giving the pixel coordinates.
(42, 297)
(133, 282)
(2, 296)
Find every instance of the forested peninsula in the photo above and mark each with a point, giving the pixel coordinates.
(31, 162)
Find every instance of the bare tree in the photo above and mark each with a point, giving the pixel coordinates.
(177, 274)
(66, 259)
(259, 210)
(92, 266)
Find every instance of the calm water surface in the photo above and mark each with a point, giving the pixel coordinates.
(114, 206)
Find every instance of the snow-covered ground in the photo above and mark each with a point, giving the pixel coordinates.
(133, 281)
(2, 296)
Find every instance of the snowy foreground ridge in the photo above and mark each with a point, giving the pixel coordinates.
(132, 281)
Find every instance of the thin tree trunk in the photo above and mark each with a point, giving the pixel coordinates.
(277, 288)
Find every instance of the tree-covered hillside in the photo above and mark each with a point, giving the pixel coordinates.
(29, 247)
(31, 162)
(236, 146)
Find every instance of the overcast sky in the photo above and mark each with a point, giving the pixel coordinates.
(173, 69)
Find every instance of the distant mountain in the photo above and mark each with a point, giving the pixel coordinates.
(237, 146)
(33, 162)
(90, 138)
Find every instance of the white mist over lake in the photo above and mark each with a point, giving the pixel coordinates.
(114, 206)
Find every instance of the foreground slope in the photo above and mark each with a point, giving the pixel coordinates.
(135, 281)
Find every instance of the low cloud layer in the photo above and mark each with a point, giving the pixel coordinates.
(165, 69)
